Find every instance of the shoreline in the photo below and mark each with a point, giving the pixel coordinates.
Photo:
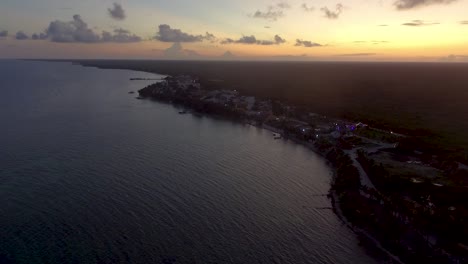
(334, 200)
(332, 195)
(355, 200)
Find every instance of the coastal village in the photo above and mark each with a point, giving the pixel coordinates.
(404, 200)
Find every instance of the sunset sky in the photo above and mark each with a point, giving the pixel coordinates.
(380, 30)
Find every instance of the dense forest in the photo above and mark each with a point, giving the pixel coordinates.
(425, 100)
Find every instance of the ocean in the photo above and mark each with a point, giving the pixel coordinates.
(89, 174)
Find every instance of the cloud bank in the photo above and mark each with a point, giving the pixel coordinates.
(176, 51)
(78, 31)
(252, 40)
(307, 8)
(228, 55)
(332, 14)
(411, 4)
(283, 5)
(273, 12)
(120, 36)
(117, 12)
(168, 34)
(270, 14)
(306, 43)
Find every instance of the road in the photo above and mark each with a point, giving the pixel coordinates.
(365, 180)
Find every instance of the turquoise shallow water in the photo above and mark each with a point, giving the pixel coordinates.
(89, 174)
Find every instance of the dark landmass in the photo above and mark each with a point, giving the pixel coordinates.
(409, 204)
(425, 100)
(394, 132)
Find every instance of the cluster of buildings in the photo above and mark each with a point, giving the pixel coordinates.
(289, 119)
(326, 134)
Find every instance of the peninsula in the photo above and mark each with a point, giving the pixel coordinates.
(411, 202)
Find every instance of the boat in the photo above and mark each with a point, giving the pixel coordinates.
(182, 112)
(131, 92)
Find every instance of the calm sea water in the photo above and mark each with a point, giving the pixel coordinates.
(89, 174)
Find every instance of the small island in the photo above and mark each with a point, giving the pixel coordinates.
(409, 203)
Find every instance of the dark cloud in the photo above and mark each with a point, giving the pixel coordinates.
(356, 54)
(383, 25)
(419, 23)
(39, 36)
(306, 43)
(71, 31)
(247, 40)
(20, 35)
(252, 40)
(117, 12)
(307, 8)
(228, 55)
(3, 33)
(210, 37)
(168, 34)
(268, 27)
(273, 12)
(176, 51)
(279, 40)
(78, 31)
(228, 41)
(410, 4)
(465, 22)
(332, 14)
(120, 36)
(283, 5)
(270, 14)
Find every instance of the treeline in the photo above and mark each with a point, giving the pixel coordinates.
(347, 180)
(403, 227)
(433, 144)
(365, 209)
(435, 218)
(375, 93)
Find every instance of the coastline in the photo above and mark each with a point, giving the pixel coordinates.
(334, 200)
(375, 246)
(360, 232)
(353, 195)
(423, 240)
